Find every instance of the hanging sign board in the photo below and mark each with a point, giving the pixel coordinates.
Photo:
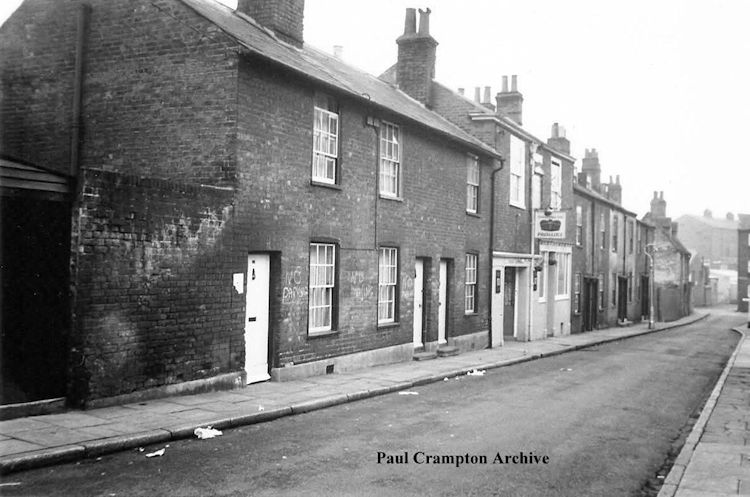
(549, 226)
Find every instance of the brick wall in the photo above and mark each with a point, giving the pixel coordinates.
(279, 210)
(159, 93)
(154, 304)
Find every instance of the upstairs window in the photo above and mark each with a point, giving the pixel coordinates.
(517, 172)
(470, 290)
(322, 287)
(387, 284)
(601, 291)
(577, 294)
(579, 225)
(603, 230)
(472, 184)
(536, 191)
(630, 237)
(390, 160)
(555, 201)
(325, 140)
(615, 229)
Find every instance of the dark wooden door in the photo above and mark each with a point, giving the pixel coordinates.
(509, 303)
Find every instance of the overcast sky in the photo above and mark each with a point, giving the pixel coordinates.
(660, 88)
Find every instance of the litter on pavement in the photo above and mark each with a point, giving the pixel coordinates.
(565, 369)
(157, 453)
(475, 372)
(208, 432)
(408, 393)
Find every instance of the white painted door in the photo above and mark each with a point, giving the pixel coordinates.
(443, 302)
(418, 299)
(256, 318)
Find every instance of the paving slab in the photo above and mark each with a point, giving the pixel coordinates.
(15, 446)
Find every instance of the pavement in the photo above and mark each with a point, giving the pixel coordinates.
(56, 438)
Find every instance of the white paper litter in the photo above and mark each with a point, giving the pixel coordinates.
(565, 369)
(261, 408)
(475, 372)
(445, 379)
(157, 453)
(408, 393)
(208, 432)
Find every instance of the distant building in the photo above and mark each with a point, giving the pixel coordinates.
(743, 262)
(703, 291)
(671, 264)
(714, 239)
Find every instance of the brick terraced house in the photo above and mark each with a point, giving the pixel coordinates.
(225, 204)
(610, 266)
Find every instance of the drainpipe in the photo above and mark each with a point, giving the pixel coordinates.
(76, 392)
(75, 135)
(492, 244)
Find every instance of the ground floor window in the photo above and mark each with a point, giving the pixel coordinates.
(387, 284)
(470, 290)
(322, 287)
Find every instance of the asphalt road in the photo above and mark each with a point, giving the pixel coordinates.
(605, 419)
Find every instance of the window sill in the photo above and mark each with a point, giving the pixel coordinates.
(390, 324)
(517, 205)
(388, 197)
(473, 214)
(470, 314)
(332, 186)
(319, 334)
(561, 297)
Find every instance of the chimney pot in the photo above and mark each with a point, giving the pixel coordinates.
(514, 83)
(477, 92)
(461, 91)
(505, 84)
(424, 22)
(555, 130)
(487, 97)
(661, 195)
(410, 22)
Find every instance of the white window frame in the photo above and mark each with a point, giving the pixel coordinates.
(555, 200)
(390, 160)
(577, 283)
(601, 298)
(325, 146)
(579, 225)
(517, 172)
(321, 287)
(603, 231)
(563, 275)
(470, 289)
(387, 284)
(472, 184)
(615, 231)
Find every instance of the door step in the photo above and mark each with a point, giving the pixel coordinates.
(447, 351)
(424, 356)
(624, 324)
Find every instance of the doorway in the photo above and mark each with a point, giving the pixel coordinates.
(622, 298)
(590, 295)
(509, 303)
(443, 301)
(645, 304)
(256, 317)
(418, 325)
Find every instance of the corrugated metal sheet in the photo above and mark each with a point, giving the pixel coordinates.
(26, 177)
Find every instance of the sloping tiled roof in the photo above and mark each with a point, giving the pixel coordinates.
(330, 71)
(601, 198)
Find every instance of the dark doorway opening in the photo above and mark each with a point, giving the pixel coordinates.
(622, 298)
(35, 267)
(509, 304)
(590, 296)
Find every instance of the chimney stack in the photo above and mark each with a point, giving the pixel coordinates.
(558, 141)
(283, 17)
(461, 91)
(477, 93)
(590, 165)
(487, 99)
(614, 190)
(510, 103)
(658, 206)
(415, 68)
